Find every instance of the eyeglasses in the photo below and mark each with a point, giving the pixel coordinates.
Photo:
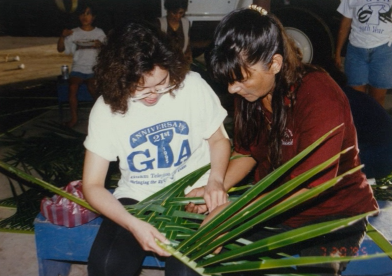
(159, 91)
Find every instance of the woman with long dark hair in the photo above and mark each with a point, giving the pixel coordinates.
(282, 106)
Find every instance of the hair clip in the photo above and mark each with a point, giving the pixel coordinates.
(259, 9)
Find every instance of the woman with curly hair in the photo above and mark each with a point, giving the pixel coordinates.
(282, 106)
(161, 122)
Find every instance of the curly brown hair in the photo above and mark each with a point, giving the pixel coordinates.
(130, 52)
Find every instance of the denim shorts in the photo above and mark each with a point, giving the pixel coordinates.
(371, 66)
(81, 75)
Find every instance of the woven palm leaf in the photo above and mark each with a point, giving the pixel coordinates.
(194, 245)
(383, 188)
(56, 153)
(27, 207)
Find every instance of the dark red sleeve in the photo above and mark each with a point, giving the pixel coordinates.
(321, 106)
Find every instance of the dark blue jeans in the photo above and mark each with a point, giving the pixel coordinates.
(374, 130)
(115, 251)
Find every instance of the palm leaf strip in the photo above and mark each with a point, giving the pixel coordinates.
(249, 195)
(280, 263)
(379, 239)
(184, 227)
(163, 198)
(259, 205)
(174, 252)
(24, 123)
(46, 185)
(284, 239)
(273, 212)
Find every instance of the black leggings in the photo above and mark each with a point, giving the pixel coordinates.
(115, 251)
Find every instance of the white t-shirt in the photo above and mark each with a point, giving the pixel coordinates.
(80, 44)
(158, 144)
(370, 26)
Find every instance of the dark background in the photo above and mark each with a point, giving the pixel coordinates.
(43, 18)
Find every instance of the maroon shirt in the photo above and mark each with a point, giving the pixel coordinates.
(320, 106)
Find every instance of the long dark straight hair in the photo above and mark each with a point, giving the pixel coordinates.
(243, 38)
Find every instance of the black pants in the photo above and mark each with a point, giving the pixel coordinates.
(115, 251)
(343, 242)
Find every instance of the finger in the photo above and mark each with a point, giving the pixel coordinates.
(221, 198)
(208, 201)
(224, 198)
(201, 209)
(190, 208)
(213, 205)
(190, 194)
(159, 236)
(218, 250)
(197, 192)
(154, 247)
(218, 198)
(161, 252)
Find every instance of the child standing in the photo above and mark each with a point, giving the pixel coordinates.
(83, 43)
(368, 60)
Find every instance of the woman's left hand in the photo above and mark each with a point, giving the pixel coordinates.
(214, 195)
(214, 192)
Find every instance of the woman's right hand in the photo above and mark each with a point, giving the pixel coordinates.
(94, 172)
(146, 234)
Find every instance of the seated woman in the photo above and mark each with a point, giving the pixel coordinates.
(162, 122)
(282, 106)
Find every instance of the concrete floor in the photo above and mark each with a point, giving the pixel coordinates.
(18, 251)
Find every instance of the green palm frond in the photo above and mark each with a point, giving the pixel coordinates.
(56, 153)
(25, 176)
(383, 188)
(379, 239)
(194, 245)
(267, 264)
(27, 207)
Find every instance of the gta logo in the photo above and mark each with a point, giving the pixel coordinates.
(157, 146)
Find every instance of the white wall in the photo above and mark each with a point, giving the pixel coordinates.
(209, 10)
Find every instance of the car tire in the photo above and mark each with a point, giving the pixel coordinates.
(309, 32)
